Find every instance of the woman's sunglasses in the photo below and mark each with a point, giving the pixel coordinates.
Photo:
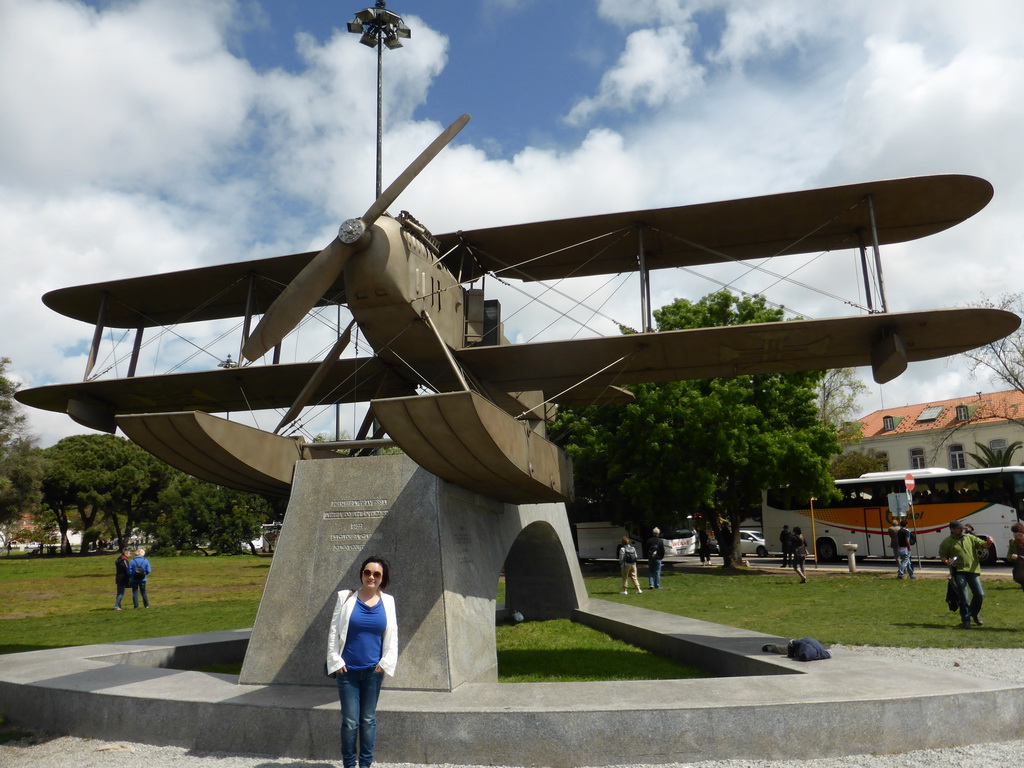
(375, 574)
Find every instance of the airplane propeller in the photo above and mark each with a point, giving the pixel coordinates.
(302, 294)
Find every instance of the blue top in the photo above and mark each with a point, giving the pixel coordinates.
(364, 643)
(139, 568)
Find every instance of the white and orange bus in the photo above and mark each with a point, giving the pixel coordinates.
(991, 500)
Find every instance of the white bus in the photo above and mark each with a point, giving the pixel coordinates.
(991, 500)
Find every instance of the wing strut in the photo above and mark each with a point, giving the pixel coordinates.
(447, 353)
(645, 283)
(883, 305)
(97, 336)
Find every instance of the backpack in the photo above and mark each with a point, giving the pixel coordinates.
(137, 572)
(628, 554)
(912, 538)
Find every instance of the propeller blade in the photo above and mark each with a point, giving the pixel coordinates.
(389, 195)
(312, 282)
(317, 378)
(297, 299)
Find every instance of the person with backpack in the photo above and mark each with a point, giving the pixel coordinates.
(121, 579)
(962, 552)
(655, 553)
(905, 539)
(138, 570)
(627, 565)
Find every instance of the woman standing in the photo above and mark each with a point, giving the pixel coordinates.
(121, 578)
(627, 565)
(362, 645)
(799, 554)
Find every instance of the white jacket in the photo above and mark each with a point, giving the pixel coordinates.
(339, 631)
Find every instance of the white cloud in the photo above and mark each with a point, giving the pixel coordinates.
(655, 70)
(135, 141)
(139, 91)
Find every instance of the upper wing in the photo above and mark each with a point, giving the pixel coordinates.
(233, 389)
(701, 353)
(772, 225)
(190, 295)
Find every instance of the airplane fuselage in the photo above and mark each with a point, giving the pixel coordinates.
(407, 304)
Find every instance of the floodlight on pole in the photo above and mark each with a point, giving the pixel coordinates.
(379, 27)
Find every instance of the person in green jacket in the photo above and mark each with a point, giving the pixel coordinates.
(961, 551)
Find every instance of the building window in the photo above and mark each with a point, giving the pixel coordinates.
(957, 458)
(917, 458)
(883, 456)
(963, 413)
(888, 424)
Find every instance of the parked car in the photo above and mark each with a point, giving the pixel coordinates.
(680, 543)
(752, 543)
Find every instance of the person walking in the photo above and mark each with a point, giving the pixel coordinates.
(121, 578)
(1015, 553)
(961, 552)
(799, 554)
(786, 542)
(627, 565)
(362, 646)
(655, 553)
(138, 571)
(905, 539)
(703, 547)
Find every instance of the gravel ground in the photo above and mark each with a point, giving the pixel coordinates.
(1004, 665)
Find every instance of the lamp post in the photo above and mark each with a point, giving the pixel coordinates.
(379, 27)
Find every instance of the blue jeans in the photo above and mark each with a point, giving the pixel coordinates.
(906, 563)
(136, 588)
(654, 573)
(972, 606)
(120, 595)
(358, 691)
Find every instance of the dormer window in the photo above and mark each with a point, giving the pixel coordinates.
(888, 424)
(963, 413)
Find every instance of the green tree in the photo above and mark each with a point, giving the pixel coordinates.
(1003, 359)
(20, 468)
(197, 515)
(854, 463)
(93, 479)
(995, 457)
(705, 447)
(839, 396)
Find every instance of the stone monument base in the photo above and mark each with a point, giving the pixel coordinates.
(447, 548)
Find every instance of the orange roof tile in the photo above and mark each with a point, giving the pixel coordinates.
(995, 406)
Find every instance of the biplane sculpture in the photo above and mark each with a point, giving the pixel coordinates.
(444, 383)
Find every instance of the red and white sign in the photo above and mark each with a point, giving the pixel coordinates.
(909, 481)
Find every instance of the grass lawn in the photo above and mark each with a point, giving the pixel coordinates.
(834, 607)
(48, 602)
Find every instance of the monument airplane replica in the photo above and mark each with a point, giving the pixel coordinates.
(444, 383)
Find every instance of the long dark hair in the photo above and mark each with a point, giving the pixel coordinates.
(385, 567)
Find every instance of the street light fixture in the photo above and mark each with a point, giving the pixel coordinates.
(379, 27)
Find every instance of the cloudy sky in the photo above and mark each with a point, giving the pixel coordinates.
(140, 136)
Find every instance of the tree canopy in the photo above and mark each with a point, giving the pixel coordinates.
(1002, 359)
(704, 448)
(20, 468)
(94, 479)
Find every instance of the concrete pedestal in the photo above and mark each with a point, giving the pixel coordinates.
(447, 548)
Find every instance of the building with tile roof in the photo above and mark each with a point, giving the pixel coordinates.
(943, 433)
